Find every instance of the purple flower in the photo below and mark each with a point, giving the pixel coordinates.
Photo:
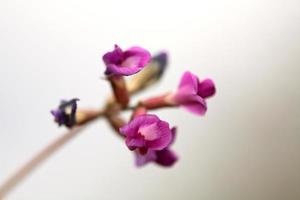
(165, 157)
(147, 132)
(192, 92)
(127, 62)
(65, 113)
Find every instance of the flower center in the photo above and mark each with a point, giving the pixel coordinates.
(149, 132)
(131, 62)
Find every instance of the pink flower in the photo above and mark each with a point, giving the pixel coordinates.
(165, 157)
(146, 132)
(192, 92)
(127, 62)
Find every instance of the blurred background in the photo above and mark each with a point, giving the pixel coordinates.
(246, 147)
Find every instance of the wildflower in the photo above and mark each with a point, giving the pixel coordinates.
(125, 63)
(164, 157)
(65, 114)
(192, 92)
(146, 132)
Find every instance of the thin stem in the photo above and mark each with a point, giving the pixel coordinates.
(45, 153)
(84, 120)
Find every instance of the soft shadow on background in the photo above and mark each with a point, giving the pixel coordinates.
(246, 147)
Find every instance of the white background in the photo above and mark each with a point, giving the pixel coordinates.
(246, 147)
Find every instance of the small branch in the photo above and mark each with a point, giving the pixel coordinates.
(26, 169)
(85, 117)
(116, 122)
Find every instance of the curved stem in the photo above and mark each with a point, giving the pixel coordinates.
(45, 153)
(85, 119)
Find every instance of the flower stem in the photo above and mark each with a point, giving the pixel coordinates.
(45, 153)
(85, 117)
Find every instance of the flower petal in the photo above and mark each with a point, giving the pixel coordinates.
(131, 62)
(127, 62)
(188, 84)
(133, 143)
(166, 158)
(141, 56)
(141, 160)
(131, 129)
(188, 88)
(206, 88)
(150, 132)
(195, 104)
(113, 57)
(164, 137)
(117, 70)
(59, 116)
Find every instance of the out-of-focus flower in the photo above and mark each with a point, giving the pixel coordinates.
(162, 60)
(125, 63)
(192, 92)
(147, 132)
(150, 74)
(65, 114)
(165, 157)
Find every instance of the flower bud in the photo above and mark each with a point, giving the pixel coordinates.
(150, 74)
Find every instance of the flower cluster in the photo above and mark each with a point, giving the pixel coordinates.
(148, 136)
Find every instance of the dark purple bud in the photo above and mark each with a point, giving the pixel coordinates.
(150, 75)
(162, 60)
(65, 114)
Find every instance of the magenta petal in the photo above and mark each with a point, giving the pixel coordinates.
(150, 132)
(147, 131)
(127, 62)
(141, 56)
(166, 158)
(117, 70)
(206, 88)
(141, 160)
(188, 88)
(113, 57)
(164, 137)
(131, 129)
(131, 62)
(133, 143)
(188, 84)
(195, 104)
